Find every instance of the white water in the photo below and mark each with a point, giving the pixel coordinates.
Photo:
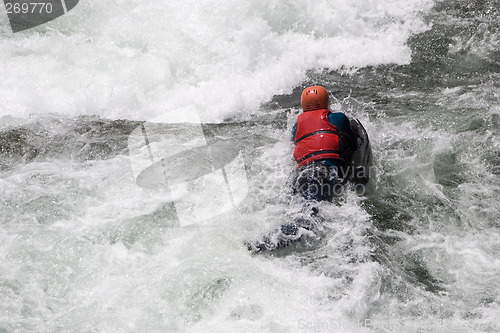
(135, 59)
(83, 248)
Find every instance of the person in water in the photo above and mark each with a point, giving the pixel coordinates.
(324, 145)
(330, 149)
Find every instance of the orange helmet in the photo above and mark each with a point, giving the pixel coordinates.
(314, 98)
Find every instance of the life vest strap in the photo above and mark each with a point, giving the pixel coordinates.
(318, 153)
(317, 132)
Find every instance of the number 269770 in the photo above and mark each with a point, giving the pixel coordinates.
(28, 8)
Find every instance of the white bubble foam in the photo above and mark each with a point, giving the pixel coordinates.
(135, 60)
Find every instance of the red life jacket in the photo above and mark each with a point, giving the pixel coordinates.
(316, 138)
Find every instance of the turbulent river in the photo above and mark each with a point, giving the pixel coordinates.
(89, 244)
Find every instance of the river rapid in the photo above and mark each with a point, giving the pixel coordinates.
(87, 246)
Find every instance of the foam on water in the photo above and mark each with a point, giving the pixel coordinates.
(131, 59)
(83, 248)
(439, 171)
(115, 262)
